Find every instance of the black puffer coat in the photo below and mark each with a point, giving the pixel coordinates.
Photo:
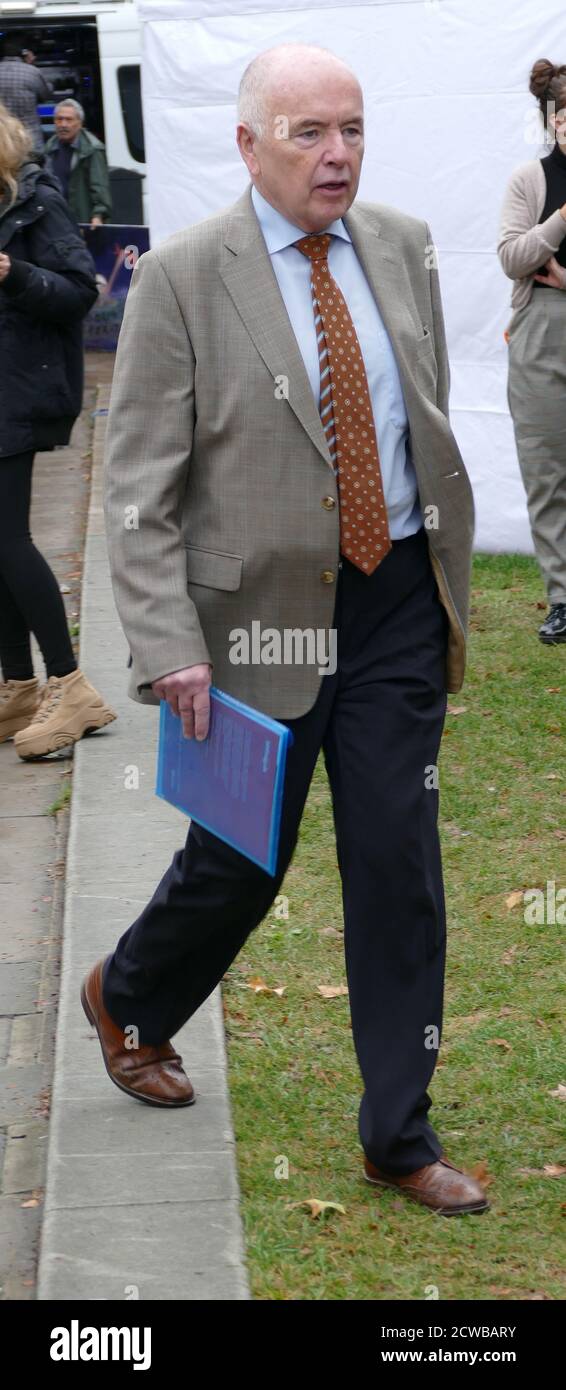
(50, 287)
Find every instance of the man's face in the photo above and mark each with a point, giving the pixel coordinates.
(67, 123)
(309, 161)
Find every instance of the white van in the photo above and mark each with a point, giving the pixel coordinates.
(92, 52)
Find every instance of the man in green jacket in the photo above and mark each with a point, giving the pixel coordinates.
(78, 160)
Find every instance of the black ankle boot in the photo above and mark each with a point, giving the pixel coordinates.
(554, 626)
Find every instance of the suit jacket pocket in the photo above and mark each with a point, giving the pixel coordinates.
(213, 568)
(424, 344)
(427, 368)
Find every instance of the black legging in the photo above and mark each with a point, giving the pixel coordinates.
(30, 598)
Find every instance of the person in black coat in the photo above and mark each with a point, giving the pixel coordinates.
(47, 285)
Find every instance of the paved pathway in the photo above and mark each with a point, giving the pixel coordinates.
(138, 1203)
(32, 858)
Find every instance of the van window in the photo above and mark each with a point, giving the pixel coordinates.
(129, 85)
(67, 56)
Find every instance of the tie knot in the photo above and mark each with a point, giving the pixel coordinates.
(314, 246)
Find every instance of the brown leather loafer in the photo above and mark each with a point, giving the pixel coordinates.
(151, 1074)
(440, 1186)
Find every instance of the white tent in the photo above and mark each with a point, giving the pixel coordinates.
(448, 117)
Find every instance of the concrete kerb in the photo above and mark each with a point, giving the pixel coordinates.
(135, 1198)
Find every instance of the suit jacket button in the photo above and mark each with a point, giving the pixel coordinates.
(329, 503)
(327, 576)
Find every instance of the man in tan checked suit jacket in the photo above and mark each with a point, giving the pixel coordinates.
(216, 442)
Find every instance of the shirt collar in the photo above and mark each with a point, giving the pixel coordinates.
(279, 232)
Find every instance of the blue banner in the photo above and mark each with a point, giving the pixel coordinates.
(114, 248)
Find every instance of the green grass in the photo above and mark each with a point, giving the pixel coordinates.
(64, 799)
(294, 1079)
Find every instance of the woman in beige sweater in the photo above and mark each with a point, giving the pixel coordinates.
(532, 251)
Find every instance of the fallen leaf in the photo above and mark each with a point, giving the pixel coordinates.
(553, 776)
(330, 931)
(508, 957)
(481, 1174)
(552, 689)
(514, 898)
(560, 1092)
(501, 1042)
(550, 1170)
(317, 1208)
(259, 987)
(456, 709)
(332, 991)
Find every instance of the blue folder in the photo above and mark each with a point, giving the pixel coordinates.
(231, 782)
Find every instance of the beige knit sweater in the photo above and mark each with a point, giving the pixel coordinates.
(524, 243)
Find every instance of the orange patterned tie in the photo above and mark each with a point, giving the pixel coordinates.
(347, 415)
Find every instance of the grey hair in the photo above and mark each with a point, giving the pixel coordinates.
(255, 82)
(70, 101)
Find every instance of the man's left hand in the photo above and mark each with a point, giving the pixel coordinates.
(96, 221)
(5, 266)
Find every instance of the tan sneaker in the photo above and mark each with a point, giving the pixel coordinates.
(70, 707)
(19, 701)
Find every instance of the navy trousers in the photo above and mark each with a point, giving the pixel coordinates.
(379, 721)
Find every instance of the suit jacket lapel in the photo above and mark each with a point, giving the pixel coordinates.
(388, 278)
(252, 285)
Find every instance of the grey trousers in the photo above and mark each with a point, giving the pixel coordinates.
(536, 393)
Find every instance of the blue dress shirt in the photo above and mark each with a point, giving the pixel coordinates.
(293, 273)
